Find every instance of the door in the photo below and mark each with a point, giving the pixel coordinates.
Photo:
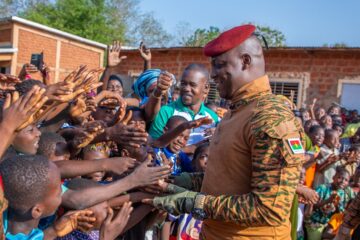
(350, 96)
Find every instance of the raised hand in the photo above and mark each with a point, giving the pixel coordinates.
(114, 57)
(164, 82)
(18, 112)
(114, 226)
(144, 52)
(145, 174)
(199, 122)
(75, 220)
(119, 165)
(82, 105)
(7, 82)
(27, 69)
(85, 136)
(127, 135)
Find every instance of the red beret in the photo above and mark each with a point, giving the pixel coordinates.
(228, 40)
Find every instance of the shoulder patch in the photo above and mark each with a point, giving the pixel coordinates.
(296, 146)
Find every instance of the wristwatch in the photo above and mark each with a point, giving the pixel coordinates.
(198, 209)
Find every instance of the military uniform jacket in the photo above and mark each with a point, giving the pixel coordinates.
(253, 169)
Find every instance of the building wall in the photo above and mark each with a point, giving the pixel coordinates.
(319, 69)
(60, 54)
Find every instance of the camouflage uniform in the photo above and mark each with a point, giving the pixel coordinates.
(253, 169)
(352, 214)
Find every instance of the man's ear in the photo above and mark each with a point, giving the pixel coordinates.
(124, 153)
(37, 211)
(246, 61)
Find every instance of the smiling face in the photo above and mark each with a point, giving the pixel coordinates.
(115, 86)
(317, 137)
(179, 142)
(227, 72)
(26, 141)
(193, 87)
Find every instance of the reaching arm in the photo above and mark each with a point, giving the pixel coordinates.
(143, 175)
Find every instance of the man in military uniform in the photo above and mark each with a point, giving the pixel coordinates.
(255, 155)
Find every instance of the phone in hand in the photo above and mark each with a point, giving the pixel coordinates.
(37, 59)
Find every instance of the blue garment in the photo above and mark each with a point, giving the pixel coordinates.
(181, 162)
(35, 234)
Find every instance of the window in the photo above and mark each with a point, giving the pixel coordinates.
(285, 88)
(213, 95)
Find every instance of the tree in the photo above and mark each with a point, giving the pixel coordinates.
(99, 20)
(273, 37)
(202, 36)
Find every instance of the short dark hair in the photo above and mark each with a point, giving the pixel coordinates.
(330, 132)
(25, 180)
(315, 128)
(26, 85)
(116, 77)
(47, 143)
(197, 67)
(177, 120)
(340, 170)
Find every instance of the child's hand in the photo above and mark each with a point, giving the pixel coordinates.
(127, 135)
(114, 226)
(88, 134)
(199, 122)
(75, 220)
(307, 195)
(7, 82)
(146, 175)
(19, 112)
(119, 165)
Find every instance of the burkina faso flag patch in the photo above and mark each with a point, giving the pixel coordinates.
(295, 145)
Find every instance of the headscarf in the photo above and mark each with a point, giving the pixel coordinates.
(144, 81)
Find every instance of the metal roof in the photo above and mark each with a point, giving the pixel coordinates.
(54, 31)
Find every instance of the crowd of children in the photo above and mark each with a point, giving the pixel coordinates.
(78, 157)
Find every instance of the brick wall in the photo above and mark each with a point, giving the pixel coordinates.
(72, 53)
(30, 43)
(325, 66)
(5, 35)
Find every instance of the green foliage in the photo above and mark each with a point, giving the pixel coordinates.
(86, 18)
(98, 20)
(273, 37)
(202, 36)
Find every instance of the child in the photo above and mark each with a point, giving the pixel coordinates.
(333, 198)
(33, 188)
(334, 224)
(26, 140)
(53, 146)
(352, 159)
(95, 152)
(178, 160)
(326, 122)
(200, 157)
(189, 227)
(316, 135)
(328, 159)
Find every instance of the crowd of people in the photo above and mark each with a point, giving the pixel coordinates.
(80, 160)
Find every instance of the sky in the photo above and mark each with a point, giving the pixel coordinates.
(303, 22)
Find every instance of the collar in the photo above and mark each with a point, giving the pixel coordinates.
(251, 91)
(182, 107)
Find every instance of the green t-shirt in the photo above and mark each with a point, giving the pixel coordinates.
(177, 108)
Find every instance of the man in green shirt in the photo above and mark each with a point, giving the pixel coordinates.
(194, 87)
